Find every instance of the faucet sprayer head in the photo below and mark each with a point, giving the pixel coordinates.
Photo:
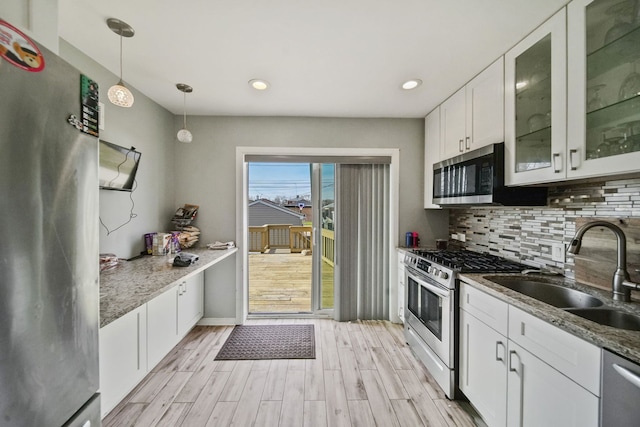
(574, 246)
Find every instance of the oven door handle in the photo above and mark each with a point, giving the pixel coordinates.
(435, 289)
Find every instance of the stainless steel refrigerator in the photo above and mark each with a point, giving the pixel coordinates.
(49, 267)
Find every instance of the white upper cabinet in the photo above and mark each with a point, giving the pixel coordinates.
(453, 125)
(535, 105)
(485, 106)
(474, 116)
(603, 87)
(431, 154)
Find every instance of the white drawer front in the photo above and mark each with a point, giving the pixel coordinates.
(484, 307)
(574, 357)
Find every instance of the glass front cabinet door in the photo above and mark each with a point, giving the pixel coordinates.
(535, 105)
(603, 87)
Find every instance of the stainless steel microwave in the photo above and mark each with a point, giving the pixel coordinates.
(477, 178)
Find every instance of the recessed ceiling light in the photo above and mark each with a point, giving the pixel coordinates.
(411, 84)
(258, 84)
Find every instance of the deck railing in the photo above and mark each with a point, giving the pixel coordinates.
(328, 246)
(292, 237)
(279, 236)
(300, 238)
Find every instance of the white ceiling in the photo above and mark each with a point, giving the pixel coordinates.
(331, 58)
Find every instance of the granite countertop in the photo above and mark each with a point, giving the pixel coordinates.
(623, 342)
(134, 283)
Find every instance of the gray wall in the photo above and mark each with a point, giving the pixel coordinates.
(203, 172)
(36, 18)
(149, 128)
(208, 176)
(206, 172)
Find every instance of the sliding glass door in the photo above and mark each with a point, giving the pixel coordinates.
(337, 250)
(323, 194)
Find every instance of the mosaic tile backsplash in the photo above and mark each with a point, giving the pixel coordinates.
(527, 233)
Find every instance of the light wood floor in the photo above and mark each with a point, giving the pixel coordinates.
(363, 375)
(281, 283)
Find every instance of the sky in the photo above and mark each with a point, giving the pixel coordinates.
(287, 180)
(284, 180)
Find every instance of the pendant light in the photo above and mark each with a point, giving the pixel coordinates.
(183, 134)
(118, 94)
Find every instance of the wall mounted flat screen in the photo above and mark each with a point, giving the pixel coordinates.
(118, 166)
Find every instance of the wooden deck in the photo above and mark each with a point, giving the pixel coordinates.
(281, 283)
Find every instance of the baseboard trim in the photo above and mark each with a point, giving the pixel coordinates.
(217, 321)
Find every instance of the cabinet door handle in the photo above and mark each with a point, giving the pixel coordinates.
(138, 337)
(556, 157)
(571, 153)
(460, 146)
(500, 357)
(467, 143)
(511, 364)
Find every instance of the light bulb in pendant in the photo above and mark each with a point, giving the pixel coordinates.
(119, 95)
(185, 136)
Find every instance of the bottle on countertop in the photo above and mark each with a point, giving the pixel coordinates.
(412, 240)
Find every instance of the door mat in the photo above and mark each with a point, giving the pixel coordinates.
(259, 342)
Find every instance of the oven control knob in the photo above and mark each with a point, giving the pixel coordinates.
(443, 274)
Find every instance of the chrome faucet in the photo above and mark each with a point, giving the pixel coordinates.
(621, 284)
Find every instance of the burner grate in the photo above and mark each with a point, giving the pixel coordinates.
(472, 262)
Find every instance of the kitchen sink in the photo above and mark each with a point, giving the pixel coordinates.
(557, 296)
(609, 317)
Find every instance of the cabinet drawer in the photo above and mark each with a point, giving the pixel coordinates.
(484, 307)
(574, 357)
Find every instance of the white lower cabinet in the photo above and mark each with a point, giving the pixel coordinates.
(401, 285)
(518, 370)
(135, 343)
(162, 325)
(541, 396)
(190, 303)
(123, 357)
(483, 369)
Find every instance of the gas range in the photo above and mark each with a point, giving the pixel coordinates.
(431, 320)
(443, 266)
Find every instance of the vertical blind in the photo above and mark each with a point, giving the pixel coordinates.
(362, 242)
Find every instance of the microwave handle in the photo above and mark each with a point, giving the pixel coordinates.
(556, 156)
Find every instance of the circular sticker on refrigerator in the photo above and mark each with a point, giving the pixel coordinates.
(18, 49)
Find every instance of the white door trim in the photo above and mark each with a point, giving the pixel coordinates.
(242, 201)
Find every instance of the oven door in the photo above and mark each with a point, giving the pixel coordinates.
(430, 313)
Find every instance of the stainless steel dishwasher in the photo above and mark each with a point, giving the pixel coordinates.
(619, 405)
